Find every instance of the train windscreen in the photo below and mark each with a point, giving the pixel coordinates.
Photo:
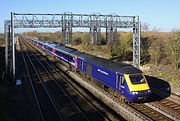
(137, 79)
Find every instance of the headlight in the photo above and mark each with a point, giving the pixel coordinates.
(134, 92)
(149, 91)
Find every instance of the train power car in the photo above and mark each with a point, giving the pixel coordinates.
(123, 79)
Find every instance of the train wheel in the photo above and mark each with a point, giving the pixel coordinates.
(126, 101)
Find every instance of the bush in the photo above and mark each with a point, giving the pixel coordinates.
(77, 41)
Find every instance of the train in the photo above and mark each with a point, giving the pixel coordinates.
(123, 80)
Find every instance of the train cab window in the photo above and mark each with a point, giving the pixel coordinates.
(137, 78)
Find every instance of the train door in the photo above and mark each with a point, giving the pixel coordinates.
(82, 64)
(53, 52)
(75, 62)
(69, 60)
(119, 82)
(89, 69)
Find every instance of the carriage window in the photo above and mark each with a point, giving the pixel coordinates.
(65, 56)
(49, 48)
(71, 59)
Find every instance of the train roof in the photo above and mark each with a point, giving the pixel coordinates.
(109, 64)
(130, 69)
(76, 53)
(65, 49)
(53, 44)
(41, 41)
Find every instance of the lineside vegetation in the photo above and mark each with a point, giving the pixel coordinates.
(158, 48)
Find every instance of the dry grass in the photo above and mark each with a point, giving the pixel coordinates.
(2, 42)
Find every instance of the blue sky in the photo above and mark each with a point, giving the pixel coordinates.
(162, 14)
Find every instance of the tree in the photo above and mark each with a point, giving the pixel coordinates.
(174, 49)
(157, 50)
(86, 41)
(77, 41)
(123, 48)
(145, 27)
(155, 29)
(103, 41)
(145, 44)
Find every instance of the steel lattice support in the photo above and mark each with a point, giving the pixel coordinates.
(8, 48)
(136, 42)
(111, 30)
(111, 34)
(95, 34)
(67, 21)
(13, 45)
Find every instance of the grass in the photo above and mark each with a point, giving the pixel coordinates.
(2, 42)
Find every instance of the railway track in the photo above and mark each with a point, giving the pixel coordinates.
(175, 98)
(171, 105)
(46, 107)
(67, 104)
(148, 112)
(68, 108)
(166, 106)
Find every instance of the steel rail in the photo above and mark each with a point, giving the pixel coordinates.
(45, 89)
(166, 106)
(33, 89)
(150, 112)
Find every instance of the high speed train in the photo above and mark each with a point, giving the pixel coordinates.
(120, 78)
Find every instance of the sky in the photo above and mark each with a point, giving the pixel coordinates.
(164, 15)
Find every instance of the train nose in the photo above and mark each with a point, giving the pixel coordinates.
(143, 95)
(142, 98)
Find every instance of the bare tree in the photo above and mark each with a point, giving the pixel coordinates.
(155, 29)
(174, 49)
(145, 27)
